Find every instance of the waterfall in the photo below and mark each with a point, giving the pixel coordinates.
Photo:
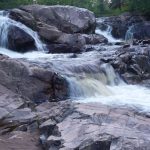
(6, 22)
(93, 83)
(108, 88)
(107, 32)
(129, 35)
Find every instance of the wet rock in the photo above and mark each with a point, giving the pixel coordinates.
(19, 40)
(95, 39)
(75, 40)
(146, 41)
(141, 30)
(126, 46)
(100, 24)
(133, 63)
(119, 43)
(63, 48)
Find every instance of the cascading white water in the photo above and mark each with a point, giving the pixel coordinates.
(92, 82)
(109, 89)
(129, 35)
(3, 29)
(106, 33)
(6, 22)
(88, 80)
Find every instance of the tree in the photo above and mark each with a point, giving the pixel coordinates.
(116, 4)
(101, 6)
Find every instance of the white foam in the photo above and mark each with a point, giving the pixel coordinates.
(124, 95)
(107, 34)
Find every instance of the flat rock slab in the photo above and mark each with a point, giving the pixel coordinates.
(94, 126)
(19, 141)
(9, 101)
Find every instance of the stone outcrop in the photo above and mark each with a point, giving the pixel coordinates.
(72, 26)
(131, 62)
(67, 19)
(121, 24)
(66, 125)
(33, 82)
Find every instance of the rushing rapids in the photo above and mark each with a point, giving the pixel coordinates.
(89, 79)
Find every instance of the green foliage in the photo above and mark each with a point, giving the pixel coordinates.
(99, 7)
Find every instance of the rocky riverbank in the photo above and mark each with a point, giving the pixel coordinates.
(67, 125)
(40, 93)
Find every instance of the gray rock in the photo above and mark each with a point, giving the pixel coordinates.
(19, 40)
(23, 17)
(48, 32)
(67, 19)
(42, 84)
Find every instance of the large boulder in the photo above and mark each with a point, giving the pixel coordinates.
(70, 27)
(67, 26)
(19, 40)
(68, 19)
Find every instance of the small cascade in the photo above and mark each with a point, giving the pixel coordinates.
(6, 22)
(93, 83)
(107, 32)
(129, 35)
